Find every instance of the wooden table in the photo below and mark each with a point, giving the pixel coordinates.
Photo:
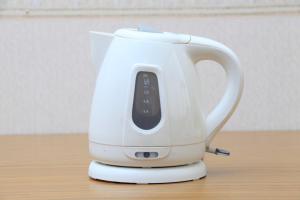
(262, 165)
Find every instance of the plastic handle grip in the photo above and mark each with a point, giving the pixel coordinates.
(206, 49)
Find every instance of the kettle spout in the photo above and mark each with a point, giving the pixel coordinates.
(99, 42)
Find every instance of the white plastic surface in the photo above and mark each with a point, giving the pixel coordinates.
(147, 175)
(111, 121)
(154, 36)
(206, 49)
(115, 139)
(99, 43)
(167, 156)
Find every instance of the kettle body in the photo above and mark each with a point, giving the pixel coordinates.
(146, 107)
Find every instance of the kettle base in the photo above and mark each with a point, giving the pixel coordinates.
(121, 174)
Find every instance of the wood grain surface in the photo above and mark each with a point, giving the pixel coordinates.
(262, 165)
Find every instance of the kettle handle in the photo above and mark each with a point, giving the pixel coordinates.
(206, 49)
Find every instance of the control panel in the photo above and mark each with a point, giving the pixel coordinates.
(146, 111)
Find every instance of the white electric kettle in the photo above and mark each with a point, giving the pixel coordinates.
(146, 122)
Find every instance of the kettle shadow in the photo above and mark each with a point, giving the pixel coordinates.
(98, 181)
(100, 188)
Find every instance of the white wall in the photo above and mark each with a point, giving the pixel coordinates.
(47, 79)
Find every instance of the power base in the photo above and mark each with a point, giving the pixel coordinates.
(138, 175)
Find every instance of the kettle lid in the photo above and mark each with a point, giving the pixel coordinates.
(150, 34)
